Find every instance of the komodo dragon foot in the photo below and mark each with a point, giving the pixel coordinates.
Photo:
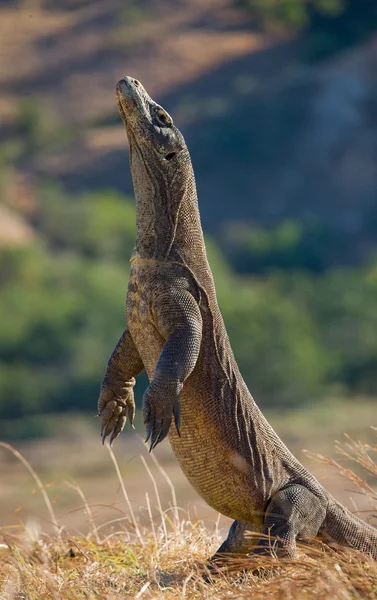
(112, 405)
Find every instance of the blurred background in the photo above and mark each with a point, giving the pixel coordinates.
(277, 100)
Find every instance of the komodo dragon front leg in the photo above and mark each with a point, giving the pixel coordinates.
(178, 320)
(117, 387)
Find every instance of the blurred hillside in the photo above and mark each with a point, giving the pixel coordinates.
(274, 131)
(278, 104)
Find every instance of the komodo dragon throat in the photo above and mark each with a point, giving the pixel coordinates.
(225, 446)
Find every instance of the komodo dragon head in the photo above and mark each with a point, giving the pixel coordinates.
(149, 126)
(163, 179)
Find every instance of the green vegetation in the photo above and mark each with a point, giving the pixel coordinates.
(300, 329)
(36, 123)
(329, 25)
(291, 245)
(315, 311)
(61, 302)
(293, 14)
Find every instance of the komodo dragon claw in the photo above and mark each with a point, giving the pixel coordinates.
(158, 414)
(112, 410)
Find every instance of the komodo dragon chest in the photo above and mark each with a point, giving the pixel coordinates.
(232, 475)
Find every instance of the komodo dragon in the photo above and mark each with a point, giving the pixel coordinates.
(223, 443)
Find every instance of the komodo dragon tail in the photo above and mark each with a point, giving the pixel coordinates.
(347, 530)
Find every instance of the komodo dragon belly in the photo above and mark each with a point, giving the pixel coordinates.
(220, 475)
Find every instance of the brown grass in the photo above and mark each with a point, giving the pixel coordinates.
(167, 559)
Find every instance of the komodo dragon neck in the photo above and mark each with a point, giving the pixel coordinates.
(167, 215)
(168, 224)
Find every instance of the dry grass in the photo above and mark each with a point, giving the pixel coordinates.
(167, 559)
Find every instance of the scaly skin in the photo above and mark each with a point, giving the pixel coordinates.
(224, 445)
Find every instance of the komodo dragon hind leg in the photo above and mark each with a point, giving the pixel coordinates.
(292, 513)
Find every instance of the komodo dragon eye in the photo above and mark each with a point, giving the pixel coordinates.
(164, 118)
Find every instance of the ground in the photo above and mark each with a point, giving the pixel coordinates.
(152, 549)
(172, 567)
